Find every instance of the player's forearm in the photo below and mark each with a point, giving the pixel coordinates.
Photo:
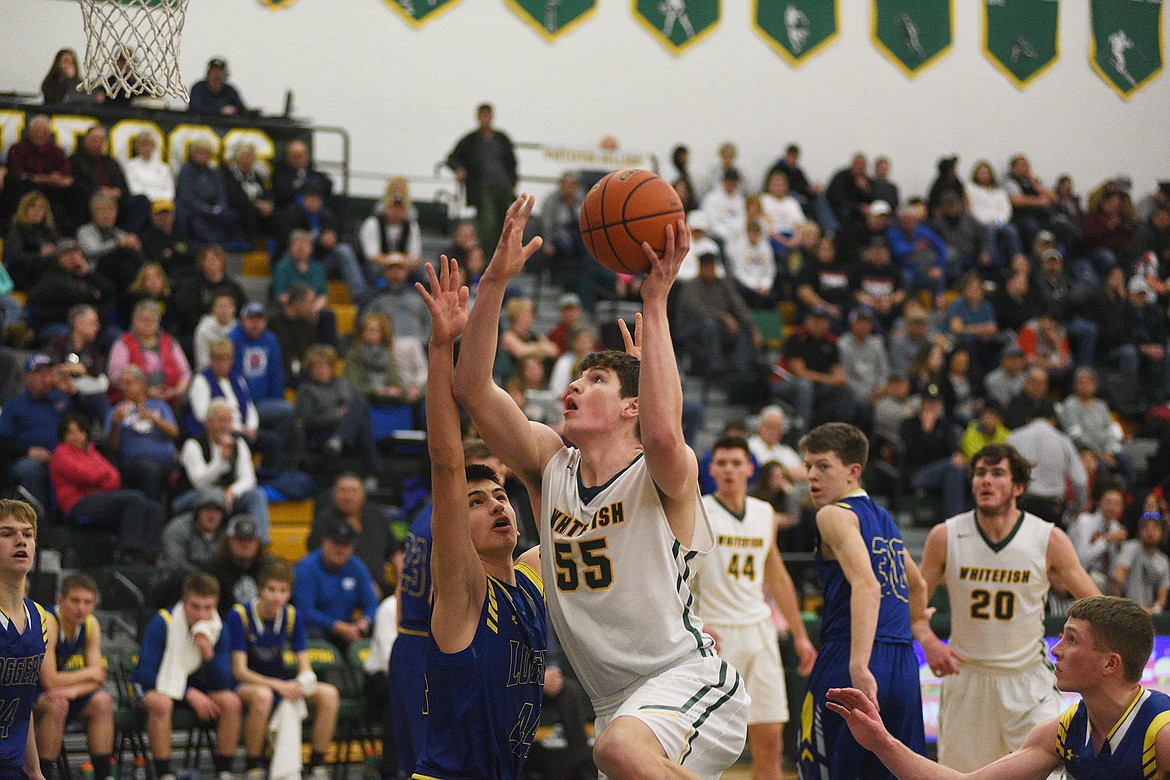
(908, 765)
(443, 440)
(864, 604)
(659, 382)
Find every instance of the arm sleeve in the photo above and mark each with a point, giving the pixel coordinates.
(368, 238)
(369, 599)
(154, 641)
(300, 640)
(245, 471)
(234, 627)
(199, 397)
(305, 586)
(221, 663)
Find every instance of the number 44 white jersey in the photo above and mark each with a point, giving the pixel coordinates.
(998, 592)
(616, 579)
(732, 584)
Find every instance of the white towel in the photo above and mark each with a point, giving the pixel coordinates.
(284, 732)
(181, 657)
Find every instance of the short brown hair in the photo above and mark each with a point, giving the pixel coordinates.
(18, 511)
(280, 571)
(732, 443)
(1118, 626)
(846, 441)
(627, 367)
(78, 581)
(200, 584)
(1020, 467)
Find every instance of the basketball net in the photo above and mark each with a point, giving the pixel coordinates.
(132, 47)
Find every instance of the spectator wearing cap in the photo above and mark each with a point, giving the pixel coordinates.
(89, 491)
(70, 281)
(726, 207)
(333, 589)
(140, 434)
(293, 173)
(1006, 380)
(918, 251)
(850, 191)
(864, 358)
(986, 428)
(712, 325)
(1147, 327)
(203, 215)
(570, 313)
(811, 377)
(190, 539)
(1065, 300)
(931, 457)
(28, 425)
(399, 301)
(582, 340)
(912, 333)
(214, 95)
(876, 284)
(147, 175)
(160, 243)
(239, 558)
(259, 360)
(309, 212)
(393, 229)
(1056, 465)
(866, 232)
(249, 193)
(560, 226)
(1141, 572)
(348, 503)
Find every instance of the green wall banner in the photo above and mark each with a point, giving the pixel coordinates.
(419, 12)
(553, 18)
(912, 33)
(796, 29)
(1126, 44)
(677, 24)
(1020, 37)
(276, 5)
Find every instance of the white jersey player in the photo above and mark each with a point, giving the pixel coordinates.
(622, 528)
(744, 565)
(997, 564)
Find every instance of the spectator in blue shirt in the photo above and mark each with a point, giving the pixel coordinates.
(189, 666)
(214, 95)
(140, 437)
(918, 251)
(260, 362)
(332, 586)
(28, 424)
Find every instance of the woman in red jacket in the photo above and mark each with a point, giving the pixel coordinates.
(88, 491)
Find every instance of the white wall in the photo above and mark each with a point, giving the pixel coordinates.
(406, 94)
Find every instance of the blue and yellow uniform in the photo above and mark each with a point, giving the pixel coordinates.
(485, 700)
(265, 640)
(408, 656)
(21, 655)
(71, 657)
(1128, 752)
(827, 748)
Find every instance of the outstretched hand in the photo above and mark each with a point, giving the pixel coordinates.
(860, 714)
(664, 268)
(511, 252)
(446, 300)
(633, 343)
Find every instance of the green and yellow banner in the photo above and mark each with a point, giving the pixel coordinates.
(419, 12)
(912, 34)
(1020, 37)
(553, 18)
(276, 5)
(677, 24)
(1126, 45)
(797, 29)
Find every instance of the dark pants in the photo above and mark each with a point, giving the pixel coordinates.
(150, 476)
(1048, 508)
(139, 520)
(491, 207)
(356, 435)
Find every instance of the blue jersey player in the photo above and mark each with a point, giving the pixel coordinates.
(871, 587)
(23, 634)
(485, 662)
(1117, 731)
(408, 657)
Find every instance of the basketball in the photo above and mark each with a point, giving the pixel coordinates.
(624, 209)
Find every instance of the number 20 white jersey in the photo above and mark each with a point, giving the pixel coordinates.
(998, 592)
(616, 579)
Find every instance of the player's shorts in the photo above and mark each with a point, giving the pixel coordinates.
(76, 706)
(827, 750)
(985, 715)
(754, 651)
(698, 710)
(407, 680)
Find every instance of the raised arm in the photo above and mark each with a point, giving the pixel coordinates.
(460, 584)
(524, 446)
(671, 462)
(841, 534)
